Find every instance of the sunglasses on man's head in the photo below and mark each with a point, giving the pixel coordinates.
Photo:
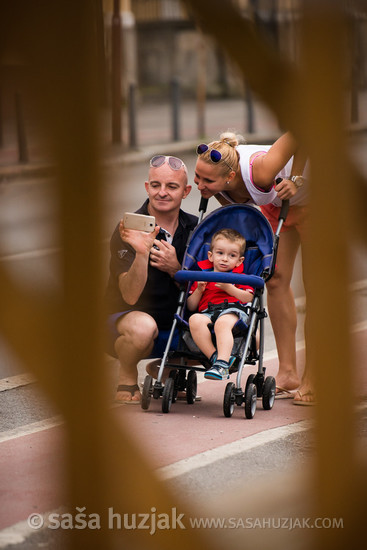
(174, 162)
(215, 156)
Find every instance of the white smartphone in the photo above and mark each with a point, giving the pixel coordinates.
(139, 222)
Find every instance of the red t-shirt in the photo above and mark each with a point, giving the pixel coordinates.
(212, 293)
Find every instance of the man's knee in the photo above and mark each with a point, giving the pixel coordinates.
(138, 328)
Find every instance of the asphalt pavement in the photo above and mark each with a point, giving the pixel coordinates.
(220, 464)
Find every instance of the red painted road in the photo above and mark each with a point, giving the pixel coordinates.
(31, 466)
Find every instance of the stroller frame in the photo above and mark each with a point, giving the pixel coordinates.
(257, 385)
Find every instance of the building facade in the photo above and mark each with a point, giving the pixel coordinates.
(161, 43)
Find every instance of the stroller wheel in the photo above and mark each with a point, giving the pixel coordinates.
(250, 380)
(174, 375)
(147, 391)
(191, 387)
(229, 400)
(167, 396)
(250, 400)
(269, 393)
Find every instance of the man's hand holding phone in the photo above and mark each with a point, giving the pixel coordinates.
(140, 240)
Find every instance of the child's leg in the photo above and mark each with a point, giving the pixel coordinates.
(223, 332)
(201, 334)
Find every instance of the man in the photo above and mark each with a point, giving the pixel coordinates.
(141, 292)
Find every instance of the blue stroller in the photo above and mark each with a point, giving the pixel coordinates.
(259, 265)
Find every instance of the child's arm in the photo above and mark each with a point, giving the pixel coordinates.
(243, 296)
(194, 298)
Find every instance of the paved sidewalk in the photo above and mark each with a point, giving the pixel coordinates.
(37, 456)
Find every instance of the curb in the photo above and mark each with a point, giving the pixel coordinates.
(45, 169)
(130, 157)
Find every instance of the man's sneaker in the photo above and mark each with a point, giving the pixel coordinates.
(219, 371)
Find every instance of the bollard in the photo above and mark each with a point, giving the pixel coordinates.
(201, 84)
(250, 111)
(132, 116)
(22, 140)
(116, 73)
(175, 95)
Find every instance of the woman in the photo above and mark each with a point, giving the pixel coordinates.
(235, 172)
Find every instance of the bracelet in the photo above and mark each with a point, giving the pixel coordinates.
(297, 180)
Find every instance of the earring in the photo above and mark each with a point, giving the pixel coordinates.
(227, 182)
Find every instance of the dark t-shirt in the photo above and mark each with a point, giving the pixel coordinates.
(160, 295)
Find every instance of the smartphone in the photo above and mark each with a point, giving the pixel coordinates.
(139, 222)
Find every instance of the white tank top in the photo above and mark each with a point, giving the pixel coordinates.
(259, 196)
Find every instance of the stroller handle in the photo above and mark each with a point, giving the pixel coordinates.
(282, 217)
(285, 205)
(284, 210)
(203, 205)
(202, 208)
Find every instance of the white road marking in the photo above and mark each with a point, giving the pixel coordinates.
(30, 255)
(15, 534)
(229, 450)
(16, 381)
(31, 428)
(21, 531)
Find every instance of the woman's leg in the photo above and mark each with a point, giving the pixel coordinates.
(305, 392)
(282, 310)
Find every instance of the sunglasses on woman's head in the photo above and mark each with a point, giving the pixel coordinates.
(174, 162)
(215, 156)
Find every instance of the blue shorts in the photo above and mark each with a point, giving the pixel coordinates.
(160, 342)
(242, 315)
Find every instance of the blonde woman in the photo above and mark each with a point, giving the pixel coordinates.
(235, 172)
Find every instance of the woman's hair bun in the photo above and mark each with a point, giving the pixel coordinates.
(231, 138)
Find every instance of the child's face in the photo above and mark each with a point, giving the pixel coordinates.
(225, 255)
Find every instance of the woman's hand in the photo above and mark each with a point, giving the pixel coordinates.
(286, 189)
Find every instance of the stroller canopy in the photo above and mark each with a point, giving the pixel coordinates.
(248, 221)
